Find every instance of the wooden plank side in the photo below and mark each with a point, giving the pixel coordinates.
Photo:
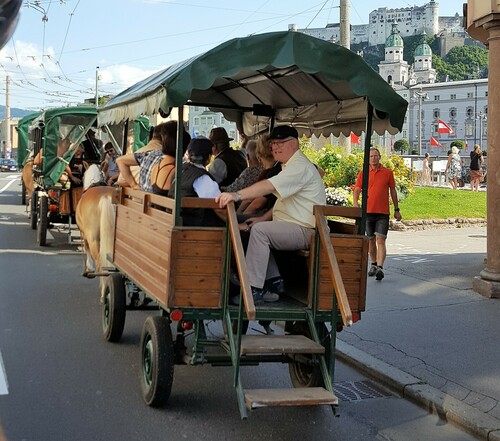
(142, 247)
(197, 265)
(155, 288)
(146, 263)
(158, 255)
(351, 252)
(149, 231)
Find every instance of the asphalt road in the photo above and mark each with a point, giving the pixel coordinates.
(60, 381)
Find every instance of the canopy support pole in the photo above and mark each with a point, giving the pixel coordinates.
(366, 166)
(178, 166)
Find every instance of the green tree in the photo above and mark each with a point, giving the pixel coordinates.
(458, 143)
(402, 145)
(468, 62)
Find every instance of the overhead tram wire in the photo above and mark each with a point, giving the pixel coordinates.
(180, 34)
(324, 4)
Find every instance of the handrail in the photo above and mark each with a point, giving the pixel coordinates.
(333, 265)
(240, 261)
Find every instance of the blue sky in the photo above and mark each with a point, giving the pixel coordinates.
(52, 57)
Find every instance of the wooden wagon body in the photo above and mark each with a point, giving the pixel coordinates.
(259, 81)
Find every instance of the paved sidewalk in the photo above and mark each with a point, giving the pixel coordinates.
(427, 334)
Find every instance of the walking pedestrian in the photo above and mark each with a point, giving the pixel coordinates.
(380, 185)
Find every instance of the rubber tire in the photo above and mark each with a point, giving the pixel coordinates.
(114, 308)
(303, 375)
(23, 193)
(43, 221)
(157, 361)
(34, 210)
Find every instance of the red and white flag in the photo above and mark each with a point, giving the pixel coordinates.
(354, 138)
(435, 142)
(444, 128)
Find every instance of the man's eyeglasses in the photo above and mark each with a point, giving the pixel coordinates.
(280, 141)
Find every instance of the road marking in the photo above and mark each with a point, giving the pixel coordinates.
(6, 186)
(4, 389)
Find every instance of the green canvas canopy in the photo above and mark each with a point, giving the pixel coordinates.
(22, 137)
(76, 119)
(293, 78)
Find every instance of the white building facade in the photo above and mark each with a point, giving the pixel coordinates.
(202, 120)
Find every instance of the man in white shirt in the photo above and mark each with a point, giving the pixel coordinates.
(290, 225)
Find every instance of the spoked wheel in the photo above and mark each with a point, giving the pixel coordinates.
(34, 210)
(113, 309)
(23, 193)
(157, 361)
(304, 374)
(43, 221)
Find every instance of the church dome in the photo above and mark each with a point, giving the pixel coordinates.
(395, 39)
(423, 49)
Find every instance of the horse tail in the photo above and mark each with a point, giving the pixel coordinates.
(107, 230)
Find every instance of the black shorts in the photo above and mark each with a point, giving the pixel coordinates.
(377, 225)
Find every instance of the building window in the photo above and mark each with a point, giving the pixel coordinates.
(453, 96)
(470, 95)
(196, 108)
(436, 113)
(469, 129)
(436, 97)
(203, 120)
(486, 93)
(197, 121)
(210, 120)
(435, 128)
(469, 112)
(453, 113)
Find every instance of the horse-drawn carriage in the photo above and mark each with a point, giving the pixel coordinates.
(23, 152)
(63, 141)
(54, 137)
(279, 78)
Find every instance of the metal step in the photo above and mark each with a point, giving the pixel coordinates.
(304, 396)
(279, 344)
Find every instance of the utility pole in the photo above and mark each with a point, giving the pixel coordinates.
(7, 146)
(345, 41)
(96, 86)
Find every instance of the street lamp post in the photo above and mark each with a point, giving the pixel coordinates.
(421, 96)
(482, 117)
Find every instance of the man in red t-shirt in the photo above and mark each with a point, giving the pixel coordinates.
(380, 185)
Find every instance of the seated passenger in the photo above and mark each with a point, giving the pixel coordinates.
(109, 166)
(298, 187)
(250, 175)
(163, 172)
(146, 160)
(197, 182)
(228, 163)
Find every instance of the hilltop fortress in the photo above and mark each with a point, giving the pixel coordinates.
(411, 21)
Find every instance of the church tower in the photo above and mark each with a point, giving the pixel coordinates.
(422, 67)
(394, 69)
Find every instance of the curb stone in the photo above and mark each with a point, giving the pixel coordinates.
(479, 424)
(423, 224)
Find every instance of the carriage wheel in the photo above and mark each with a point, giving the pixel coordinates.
(303, 374)
(23, 193)
(43, 221)
(157, 361)
(34, 209)
(114, 308)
